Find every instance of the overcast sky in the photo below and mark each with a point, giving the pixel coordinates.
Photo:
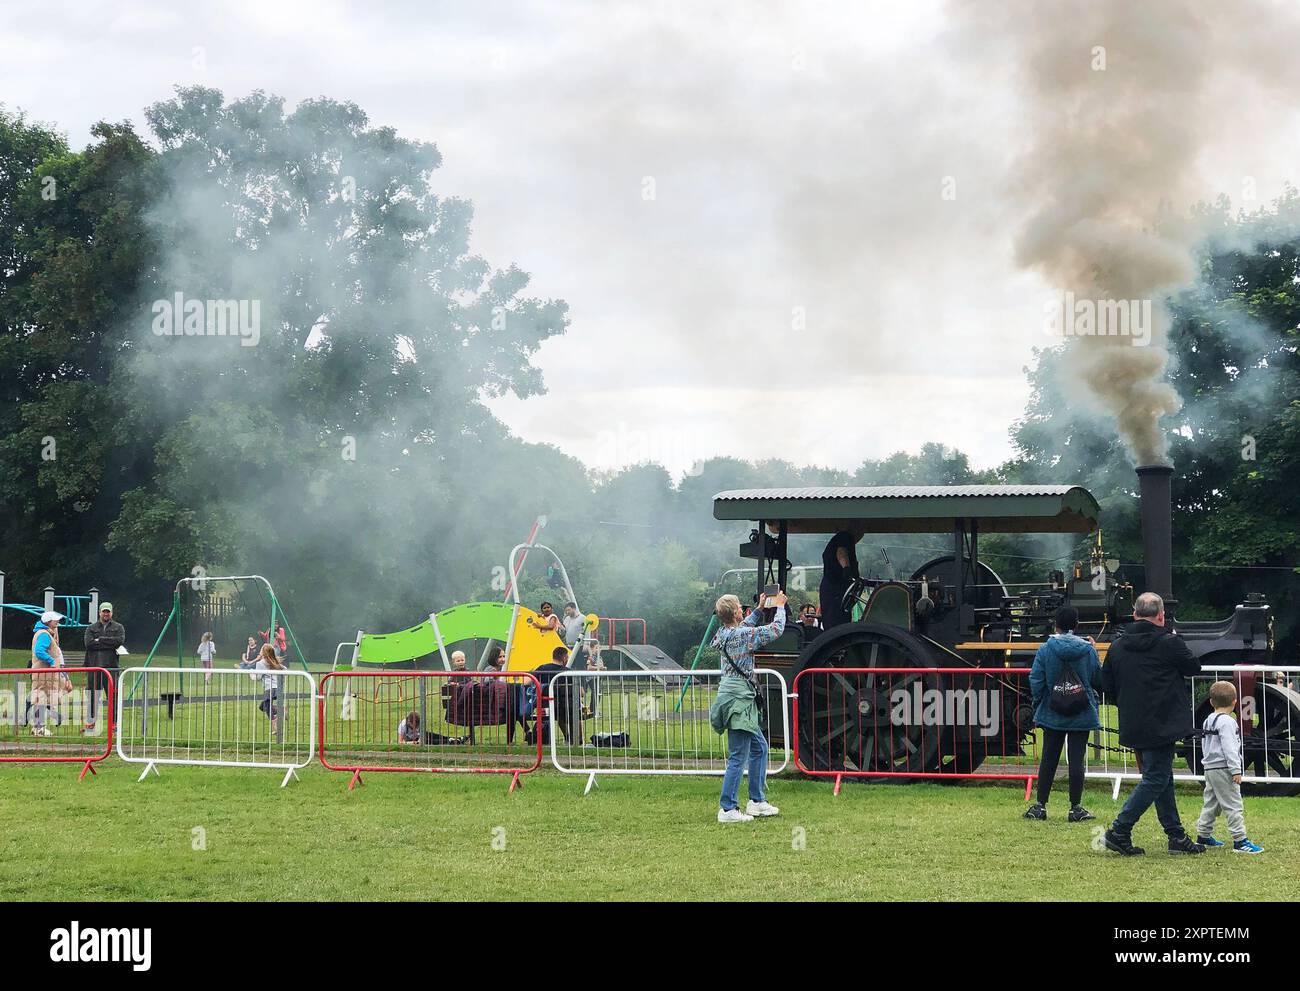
(743, 203)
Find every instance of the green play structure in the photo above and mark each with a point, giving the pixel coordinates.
(471, 621)
(510, 623)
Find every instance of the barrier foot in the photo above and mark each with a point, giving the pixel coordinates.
(1029, 788)
(290, 773)
(1114, 792)
(591, 783)
(89, 767)
(151, 766)
(515, 783)
(356, 779)
(839, 780)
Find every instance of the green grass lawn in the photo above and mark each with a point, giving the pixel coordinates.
(430, 837)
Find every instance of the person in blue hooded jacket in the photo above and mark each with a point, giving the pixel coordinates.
(1064, 653)
(49, 684)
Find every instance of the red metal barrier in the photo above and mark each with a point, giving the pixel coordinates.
(432, 721)
(628, 622)
(919, 723)
(45, 713)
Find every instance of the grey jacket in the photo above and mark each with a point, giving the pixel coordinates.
(1221, 744)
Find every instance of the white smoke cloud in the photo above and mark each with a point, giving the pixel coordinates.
(1121, 101)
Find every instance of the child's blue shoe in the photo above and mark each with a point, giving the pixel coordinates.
(1209, 841)
(1245, 846)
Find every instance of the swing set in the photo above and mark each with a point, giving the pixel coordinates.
(203, 586)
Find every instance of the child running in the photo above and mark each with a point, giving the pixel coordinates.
(1221, 759)
(267, 663)
(207, 651)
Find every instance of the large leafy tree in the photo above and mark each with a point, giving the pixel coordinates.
(344, 449)
(71, 248)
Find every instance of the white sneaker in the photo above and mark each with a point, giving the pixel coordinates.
(761, 809)
(41, 731)
(733, 815)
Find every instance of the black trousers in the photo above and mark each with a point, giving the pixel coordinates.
(97, 684)
(1076, 743)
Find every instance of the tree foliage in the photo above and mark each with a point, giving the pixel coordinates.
(348, 455)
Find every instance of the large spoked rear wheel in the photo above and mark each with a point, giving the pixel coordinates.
(850, 722)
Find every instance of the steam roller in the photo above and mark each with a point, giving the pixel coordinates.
(956, 612)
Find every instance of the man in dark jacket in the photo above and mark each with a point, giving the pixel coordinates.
(102, 640)
(839, 571)
(568, 704)
(1145, 677)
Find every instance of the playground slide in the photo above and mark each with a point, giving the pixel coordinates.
(471, 621)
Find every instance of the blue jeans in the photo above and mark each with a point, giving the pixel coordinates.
(742, 746)
(1156, 787)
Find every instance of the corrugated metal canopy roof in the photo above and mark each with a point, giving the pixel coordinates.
(916, 508)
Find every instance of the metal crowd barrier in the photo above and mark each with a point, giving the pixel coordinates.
(56, 715)
(914, 722)
(431, 721)
(631, 722)
(1268, 711)
(217, 718)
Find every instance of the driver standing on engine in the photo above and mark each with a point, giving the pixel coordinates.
(839, 572)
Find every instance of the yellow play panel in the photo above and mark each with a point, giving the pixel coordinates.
(530, 647)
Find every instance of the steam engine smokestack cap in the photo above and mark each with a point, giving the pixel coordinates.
(1155, 469)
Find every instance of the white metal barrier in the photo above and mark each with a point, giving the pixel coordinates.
(1268, 711)
(641, 722)
(218, 717)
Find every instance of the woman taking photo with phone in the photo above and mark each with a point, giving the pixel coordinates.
(736, 710)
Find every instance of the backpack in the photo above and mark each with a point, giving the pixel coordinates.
(1068, 694)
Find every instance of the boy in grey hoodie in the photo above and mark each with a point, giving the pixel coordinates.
(1221, 762)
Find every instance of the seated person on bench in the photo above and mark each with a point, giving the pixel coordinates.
(475, 703)
(452, 688)
(496, 663)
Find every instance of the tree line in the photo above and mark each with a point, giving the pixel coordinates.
(348, 455)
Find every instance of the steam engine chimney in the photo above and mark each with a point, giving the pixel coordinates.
(1157, 535)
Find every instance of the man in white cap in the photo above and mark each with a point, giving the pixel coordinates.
(48, 685)
(103, 637)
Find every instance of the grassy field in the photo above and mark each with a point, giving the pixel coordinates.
(426, 837)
